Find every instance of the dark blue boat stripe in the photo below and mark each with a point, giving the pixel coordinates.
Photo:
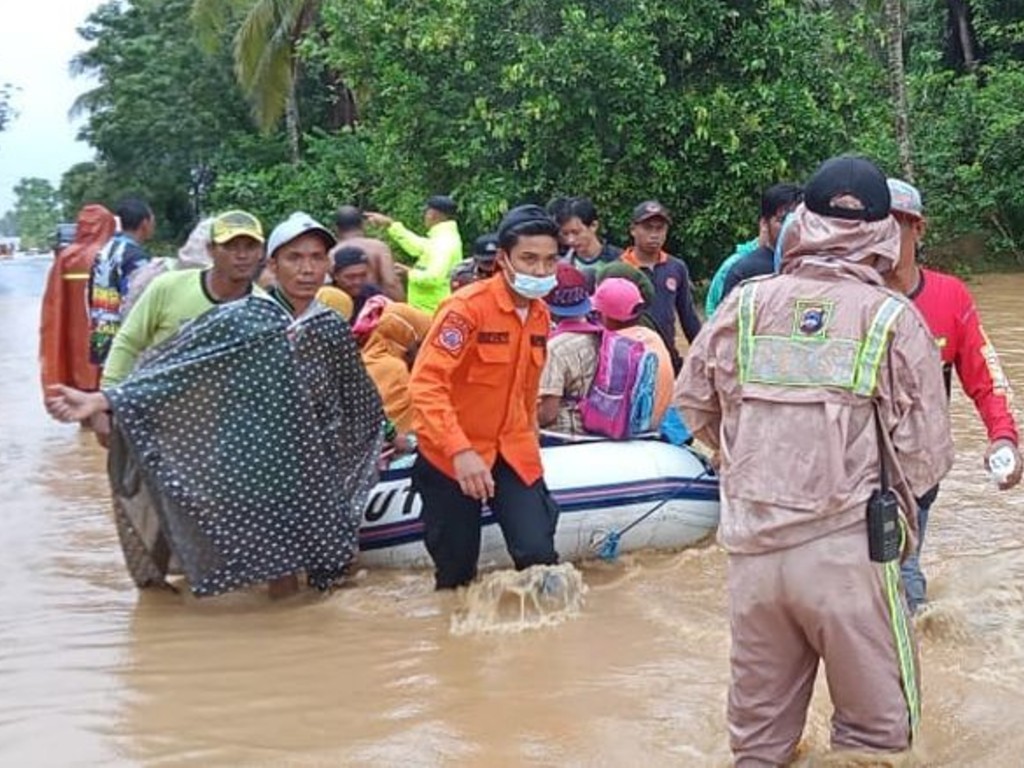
(411, 530)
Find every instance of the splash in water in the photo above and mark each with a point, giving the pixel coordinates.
(516, 601)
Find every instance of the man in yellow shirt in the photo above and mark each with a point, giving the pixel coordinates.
(435, 255)
(174, 298)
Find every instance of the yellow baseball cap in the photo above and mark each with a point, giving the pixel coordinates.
(231, 224)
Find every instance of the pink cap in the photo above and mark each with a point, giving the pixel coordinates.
(618, 299)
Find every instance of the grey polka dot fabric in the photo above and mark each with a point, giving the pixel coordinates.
(256, 437)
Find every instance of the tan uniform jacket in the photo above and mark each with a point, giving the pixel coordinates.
(792, 412)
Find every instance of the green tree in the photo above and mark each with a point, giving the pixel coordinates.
(265, 52)
(9, 224)
(163, 110)
(36, 211)
(699, 104)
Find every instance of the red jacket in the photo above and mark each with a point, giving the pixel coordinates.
(949, 310)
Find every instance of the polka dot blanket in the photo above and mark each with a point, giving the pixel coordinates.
(244, 449)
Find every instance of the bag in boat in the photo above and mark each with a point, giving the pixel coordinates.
(244, 449)
(620, 403)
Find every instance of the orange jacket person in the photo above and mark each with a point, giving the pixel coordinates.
(474, 394)
(64, 325)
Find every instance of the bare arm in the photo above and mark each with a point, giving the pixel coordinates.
(547, 410)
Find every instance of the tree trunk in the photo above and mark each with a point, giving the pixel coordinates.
(959, 13)
(898, 84)
(291, 119)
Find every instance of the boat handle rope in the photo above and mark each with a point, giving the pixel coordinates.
(607, 547)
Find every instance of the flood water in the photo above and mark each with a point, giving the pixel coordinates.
(92, 672)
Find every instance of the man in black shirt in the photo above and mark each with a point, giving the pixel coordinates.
(776, 201)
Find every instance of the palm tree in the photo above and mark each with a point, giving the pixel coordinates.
(265, 53)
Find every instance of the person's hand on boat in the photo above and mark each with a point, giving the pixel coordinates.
(473, 475)
(68, 404)
(1014, 476)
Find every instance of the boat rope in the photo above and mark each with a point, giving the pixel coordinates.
(607, 547)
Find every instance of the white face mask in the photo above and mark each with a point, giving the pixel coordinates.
(530, 287)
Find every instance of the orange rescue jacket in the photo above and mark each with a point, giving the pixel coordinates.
(476, 380)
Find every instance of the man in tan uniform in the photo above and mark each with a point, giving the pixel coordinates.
(802, 381)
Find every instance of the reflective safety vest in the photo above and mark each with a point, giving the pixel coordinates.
(807, 357)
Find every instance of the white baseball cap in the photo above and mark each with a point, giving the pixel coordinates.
(299, 223)
(905, 198)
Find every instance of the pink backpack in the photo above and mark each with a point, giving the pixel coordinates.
(620, 402)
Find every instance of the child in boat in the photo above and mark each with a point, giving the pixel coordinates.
(572, 354)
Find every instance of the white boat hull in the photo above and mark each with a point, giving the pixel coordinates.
(600, 487)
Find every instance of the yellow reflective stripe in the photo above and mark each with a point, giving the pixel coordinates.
(75, 276)
(745, 329)
(904, 646)
(901, 636)
(866, 378)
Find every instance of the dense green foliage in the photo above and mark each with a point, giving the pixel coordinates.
(36, 212)
(700, 104)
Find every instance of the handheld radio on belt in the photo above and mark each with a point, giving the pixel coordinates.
(884, 536)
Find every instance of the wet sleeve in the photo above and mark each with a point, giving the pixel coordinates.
(444, 351)
(981, 374)
(133, 337)
(919, 412)
(685, 308)
(407, 241)
(696, 389)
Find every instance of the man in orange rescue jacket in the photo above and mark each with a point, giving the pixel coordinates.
(474, 393)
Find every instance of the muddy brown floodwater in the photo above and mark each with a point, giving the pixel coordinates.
(94, 673)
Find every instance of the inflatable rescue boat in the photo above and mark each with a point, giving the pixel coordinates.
(601, 486)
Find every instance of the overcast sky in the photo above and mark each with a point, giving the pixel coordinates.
(38, 41)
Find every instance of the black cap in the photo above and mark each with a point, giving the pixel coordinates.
(650, 209)
(349, 256)
(348, 218)
(485, 248)
(854, 178)
(442, 204)
(526, 214)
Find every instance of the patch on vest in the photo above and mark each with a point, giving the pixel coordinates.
(811, 317)
(672, 284)
(453, 333)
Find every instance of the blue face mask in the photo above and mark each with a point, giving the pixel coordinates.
(530, 287)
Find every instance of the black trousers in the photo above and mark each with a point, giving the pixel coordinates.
(527, 515)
